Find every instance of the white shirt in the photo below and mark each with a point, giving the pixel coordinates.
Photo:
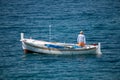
(81, 38)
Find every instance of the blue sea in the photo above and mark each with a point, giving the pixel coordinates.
(99, 19)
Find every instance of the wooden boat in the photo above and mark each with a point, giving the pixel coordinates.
(39, 46)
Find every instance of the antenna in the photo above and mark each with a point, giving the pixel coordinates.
(49, 32)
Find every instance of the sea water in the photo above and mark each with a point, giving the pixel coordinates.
(99, 19)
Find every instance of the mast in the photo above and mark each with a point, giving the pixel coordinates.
(49, 33)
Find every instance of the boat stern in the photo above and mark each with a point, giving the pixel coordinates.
(98, 51)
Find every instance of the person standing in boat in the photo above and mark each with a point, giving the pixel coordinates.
(81, 39)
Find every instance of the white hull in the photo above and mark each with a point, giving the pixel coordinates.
(67, 49)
